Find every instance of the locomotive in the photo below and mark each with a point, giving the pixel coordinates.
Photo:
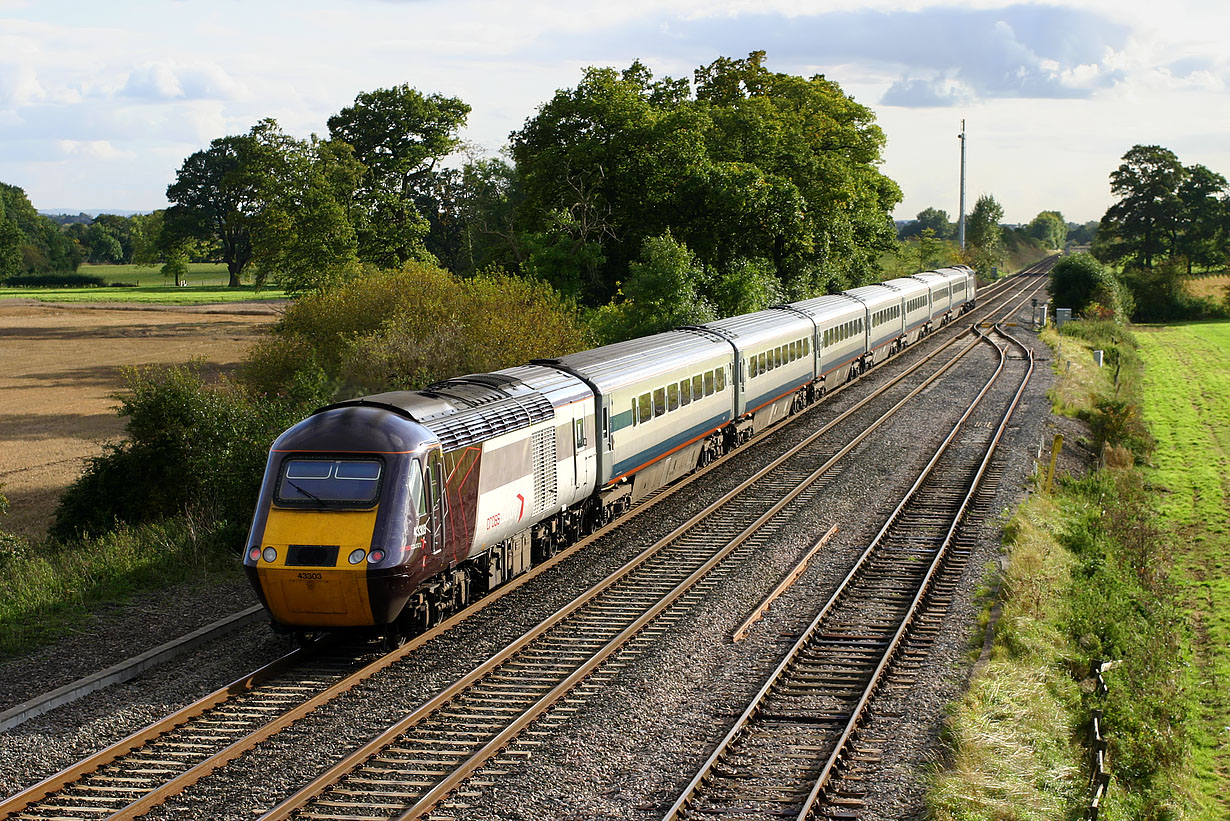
(387, 512)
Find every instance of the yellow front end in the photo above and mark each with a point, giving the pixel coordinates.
(318, 596)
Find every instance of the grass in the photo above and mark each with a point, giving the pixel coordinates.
(206, 283)
(49, 590)
(1089, 576)
(1190, 418)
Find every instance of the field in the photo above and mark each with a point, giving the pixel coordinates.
(1209, 287)
(62, 366)
(205, 283)
(1190, 417)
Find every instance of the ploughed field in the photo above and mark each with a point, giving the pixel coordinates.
(60, 366)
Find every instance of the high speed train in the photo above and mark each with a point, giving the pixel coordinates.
(387, 512)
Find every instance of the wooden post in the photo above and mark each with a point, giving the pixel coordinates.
(1056, 446)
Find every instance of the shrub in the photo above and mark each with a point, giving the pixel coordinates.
(56, 281)
(407, 329)
(188, 445)
(1083, 284)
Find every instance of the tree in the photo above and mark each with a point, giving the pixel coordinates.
(1203, 205)
(1143, 224)
(935, 219)
(41, 246)
(216, 195)
(1049, 228)
(983, 233)
(399, 135)
(10, 242)
(268, 199)
(756, 165)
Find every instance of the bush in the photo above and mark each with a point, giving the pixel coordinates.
(1083, 284)
(188, 446)
(402, 330)
(56, 281)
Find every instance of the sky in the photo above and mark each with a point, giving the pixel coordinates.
(101, 102)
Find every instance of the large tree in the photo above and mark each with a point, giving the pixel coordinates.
(755, 166)
(270, 199)
(983, 232)
(400, 136)
(1204, 209)
(1142, 225)
(216, 195)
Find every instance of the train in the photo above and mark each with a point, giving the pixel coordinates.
(385, 513)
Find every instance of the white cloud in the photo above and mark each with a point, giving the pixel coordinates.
(19, 86)
(161, 81)
(92, 149)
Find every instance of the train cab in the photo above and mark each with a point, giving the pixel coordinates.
(350, 515)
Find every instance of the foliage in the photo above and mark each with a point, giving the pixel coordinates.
(29, 242)
(51, 590)
(407, 329)
(1089, 577)
(1164, 211)
(935, 219)
(984, 238)
(753, 165)
(187, 446)
(1049, 228)
(398, 135)
(55, 281)
(1083, 284)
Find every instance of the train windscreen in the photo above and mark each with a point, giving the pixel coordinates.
(330, 482)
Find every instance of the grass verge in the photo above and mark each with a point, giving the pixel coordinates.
(206, 282)
(1089, 576)
(51, 589)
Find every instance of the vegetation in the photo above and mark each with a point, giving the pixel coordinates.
(1165, 212)
(1100, 570)
(31, 244)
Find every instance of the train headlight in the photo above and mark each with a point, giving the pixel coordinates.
(270, 555)
(376, 556)
(254, 553)
(356, 555)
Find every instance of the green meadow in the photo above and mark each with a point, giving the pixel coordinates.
(205, 283)
(1187, 406)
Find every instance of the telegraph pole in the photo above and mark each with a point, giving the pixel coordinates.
(961, 220)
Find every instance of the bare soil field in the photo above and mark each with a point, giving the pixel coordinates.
(60, 366)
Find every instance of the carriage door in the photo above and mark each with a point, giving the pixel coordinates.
(437, 500)
(582, 450)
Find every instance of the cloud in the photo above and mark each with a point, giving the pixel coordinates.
(162, 81)
(19, 86)
(936, 56)
(92, 149)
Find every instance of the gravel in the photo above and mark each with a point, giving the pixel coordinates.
(633, 745)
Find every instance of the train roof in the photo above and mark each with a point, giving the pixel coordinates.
(762, 326)
(613, 366)
(875, 295)
(829, 306)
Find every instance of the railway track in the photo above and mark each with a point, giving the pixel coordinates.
(782, 754)
(171, 755)
(418, 763)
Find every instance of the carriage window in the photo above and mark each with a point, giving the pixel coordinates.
(644, 407)
(721, 379)
(624, 419)
(777, 356)
(698, 386)
(659, 401)
(685, 392)
(672, 397)
(806, 346)
(708, 382)
(763, 367)
(330, 482)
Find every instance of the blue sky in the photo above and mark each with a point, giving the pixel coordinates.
(101, 102)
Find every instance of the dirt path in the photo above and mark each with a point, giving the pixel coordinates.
(60, 365)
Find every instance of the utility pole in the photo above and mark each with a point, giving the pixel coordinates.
(961, 220)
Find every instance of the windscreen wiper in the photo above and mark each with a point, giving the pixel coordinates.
(307, 493)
